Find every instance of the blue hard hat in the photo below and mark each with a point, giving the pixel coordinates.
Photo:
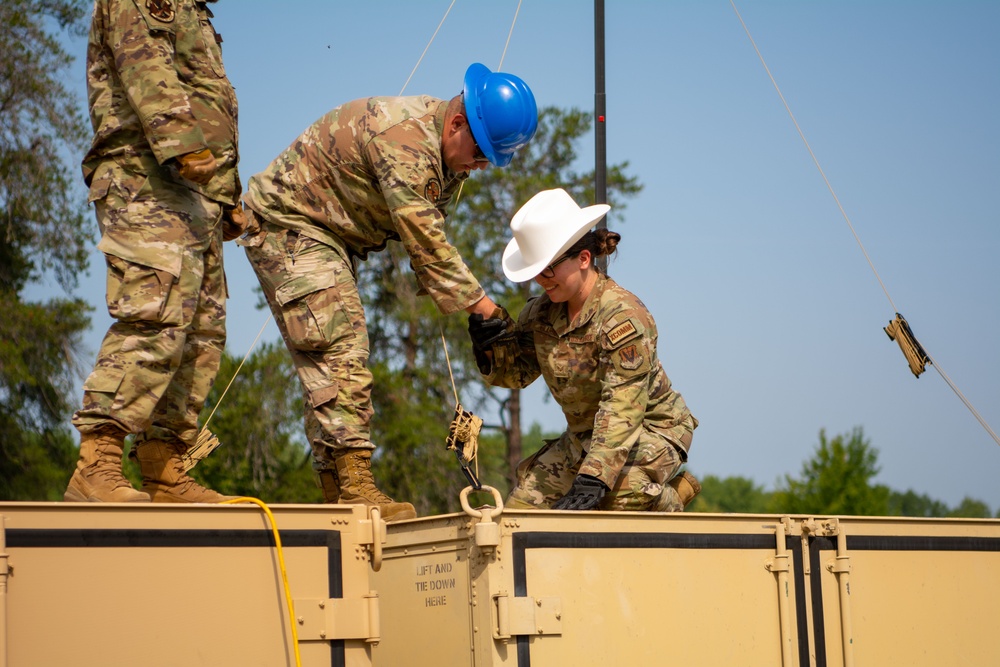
(501, 112)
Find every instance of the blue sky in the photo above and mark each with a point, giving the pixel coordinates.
(770, 317)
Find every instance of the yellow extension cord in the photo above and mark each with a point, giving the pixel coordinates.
(281, 566)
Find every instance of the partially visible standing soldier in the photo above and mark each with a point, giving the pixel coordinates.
(628, 431)
(163, 180)
(369, 172)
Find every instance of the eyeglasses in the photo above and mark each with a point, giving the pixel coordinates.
(549, 271)
(478, 155)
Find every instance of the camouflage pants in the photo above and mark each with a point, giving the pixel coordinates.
(547, 475)
(311, 290)
(166, 291)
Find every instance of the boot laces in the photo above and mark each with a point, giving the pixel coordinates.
(367, 483)
(107, 472)
(186, 482)
(373, 493)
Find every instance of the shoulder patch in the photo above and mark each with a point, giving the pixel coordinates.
(432, 191)
(630, 357)
(161, 10)
(621, 333)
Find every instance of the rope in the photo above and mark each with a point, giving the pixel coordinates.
(438, 29)
(847, 219)
(281, 566)
(463, 432)
(509, 34)
(207, 441)
(204, 426)
(421, 58)
(444, 343)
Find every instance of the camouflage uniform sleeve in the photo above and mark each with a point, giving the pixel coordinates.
(408, 180)
(515, 364)
(628, 356)
(142, 42)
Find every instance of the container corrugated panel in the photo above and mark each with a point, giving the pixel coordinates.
(200, 585)
(107, 585)
(549, 589)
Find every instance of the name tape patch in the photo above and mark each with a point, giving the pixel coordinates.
(621, 332)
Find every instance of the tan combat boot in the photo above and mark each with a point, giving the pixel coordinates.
(687, 487)
(357, 486)
(330, 485)
(98, 476)
(164, 477)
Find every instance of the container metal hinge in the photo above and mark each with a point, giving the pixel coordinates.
(840, 567)
(339, 618)
(780, 566)
(513, 616)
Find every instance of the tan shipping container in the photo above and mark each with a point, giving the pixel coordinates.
(550, 589)
(199, 585)
(115, 585)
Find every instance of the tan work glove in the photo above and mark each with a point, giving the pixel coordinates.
(234, 223)
(198, 167)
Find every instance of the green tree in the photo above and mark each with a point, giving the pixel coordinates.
(911, 503)
(410, 428)
(837, 480)
(43, 234)
(732, 494)
(259, 423)
(971, 508)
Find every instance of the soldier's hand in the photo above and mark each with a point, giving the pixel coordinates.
(486, 332)
(234, 223)
(198, 167)
(585, 494)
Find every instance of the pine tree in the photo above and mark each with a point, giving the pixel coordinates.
(43, 235)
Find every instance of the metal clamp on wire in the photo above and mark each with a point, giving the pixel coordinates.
(899, 331)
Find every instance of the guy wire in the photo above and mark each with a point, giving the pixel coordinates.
(829, 187)
(444, 343)
(438, 29)
(233, 379)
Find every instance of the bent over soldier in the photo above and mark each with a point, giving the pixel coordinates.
(368, 172)
(163, 181)
(628, 431)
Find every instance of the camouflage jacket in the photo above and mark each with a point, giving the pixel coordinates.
(157, 89)
(368, 172)
(602, 369)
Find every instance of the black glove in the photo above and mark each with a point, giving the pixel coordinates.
(486, 332)
(585, 494)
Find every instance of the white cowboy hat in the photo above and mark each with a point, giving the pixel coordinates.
(544, 228)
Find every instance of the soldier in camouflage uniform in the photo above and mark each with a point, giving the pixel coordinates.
(368, 172)
(163, 180)
(628, 431)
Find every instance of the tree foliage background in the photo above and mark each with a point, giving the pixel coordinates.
(837, 480)
(42, 136)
